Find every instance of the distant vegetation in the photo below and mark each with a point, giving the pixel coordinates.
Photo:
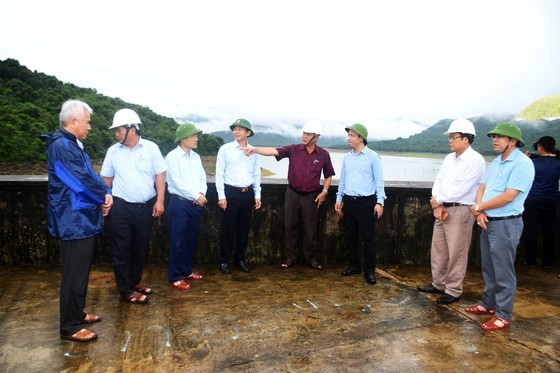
(30, 103)
(432, 140)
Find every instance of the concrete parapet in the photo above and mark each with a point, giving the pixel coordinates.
(403, 233)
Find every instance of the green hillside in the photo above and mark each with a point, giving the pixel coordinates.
(432, 140)
(30, 102)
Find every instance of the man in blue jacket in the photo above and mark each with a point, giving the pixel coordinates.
(78, 199)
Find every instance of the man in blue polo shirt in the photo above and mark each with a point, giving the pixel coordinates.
(498, 208)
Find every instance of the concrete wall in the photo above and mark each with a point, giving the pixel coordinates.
(403, 234)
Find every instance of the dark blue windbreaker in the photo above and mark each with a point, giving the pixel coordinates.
(75, 191)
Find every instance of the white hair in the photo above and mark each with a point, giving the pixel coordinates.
(73, 109)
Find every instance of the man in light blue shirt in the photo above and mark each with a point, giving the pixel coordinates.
(238, 183)
(186, 181)
(360, 197)
(498, 208)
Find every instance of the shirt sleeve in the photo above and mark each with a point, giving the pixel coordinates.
(220, 171)
(341, 182)
(379, 181)
(257, 178)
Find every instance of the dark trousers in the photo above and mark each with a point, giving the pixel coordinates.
(359, 223)
(75, 262)
(539, 215)
(183, 217)
(131, 228)
(301, 213)
(236, 221)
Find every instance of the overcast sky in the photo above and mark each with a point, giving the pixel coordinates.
(381, 63)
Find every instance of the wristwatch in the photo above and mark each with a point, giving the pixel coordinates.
(380, 204)
(476, 207)
(326, 191)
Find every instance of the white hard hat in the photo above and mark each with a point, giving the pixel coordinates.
(313, 126)
(126, 117)
(461, 126)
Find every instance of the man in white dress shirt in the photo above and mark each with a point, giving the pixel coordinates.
(186, 181)
(453, 193)
(135, 170)
(238, 183)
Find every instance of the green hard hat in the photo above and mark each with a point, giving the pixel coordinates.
(509, 130)
(360, 129)
(185, 130)
(242, 123)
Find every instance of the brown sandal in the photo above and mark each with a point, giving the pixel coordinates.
(91, 318)
(316, 265)
(83, 335)
(141, 288)
(136, 297)
(288, 264)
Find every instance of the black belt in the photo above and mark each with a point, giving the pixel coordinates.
(453, 204)
(302, 193)
(358, 198)
(240, 189)
(137, 204)
(181, 198)
(490, 218)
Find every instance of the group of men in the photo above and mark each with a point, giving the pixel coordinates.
(465, 192)
(133, 183)
(130, 193)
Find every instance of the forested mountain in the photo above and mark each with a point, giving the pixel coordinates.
(30, 103)
(432, 140)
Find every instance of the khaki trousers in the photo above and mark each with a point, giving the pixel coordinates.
(451, 241)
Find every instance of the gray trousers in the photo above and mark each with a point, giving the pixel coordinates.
(498, 247)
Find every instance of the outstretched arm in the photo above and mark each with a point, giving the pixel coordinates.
(262, 151)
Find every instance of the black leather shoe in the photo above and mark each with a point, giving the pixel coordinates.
(370, 277)
(447, 299)
(241, 266)
(224, 268)
(429, 289)
(351, 271)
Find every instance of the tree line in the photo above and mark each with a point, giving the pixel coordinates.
(432, 140)
(30, 103)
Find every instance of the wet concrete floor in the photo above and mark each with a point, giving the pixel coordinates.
(276, 320)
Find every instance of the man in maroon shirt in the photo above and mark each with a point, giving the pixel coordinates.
(305, 194)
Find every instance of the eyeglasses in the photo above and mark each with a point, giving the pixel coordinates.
(455, 137)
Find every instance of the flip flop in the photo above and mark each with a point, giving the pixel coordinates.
(83, 335)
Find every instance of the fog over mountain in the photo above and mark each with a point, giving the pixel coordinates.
(381, 129)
